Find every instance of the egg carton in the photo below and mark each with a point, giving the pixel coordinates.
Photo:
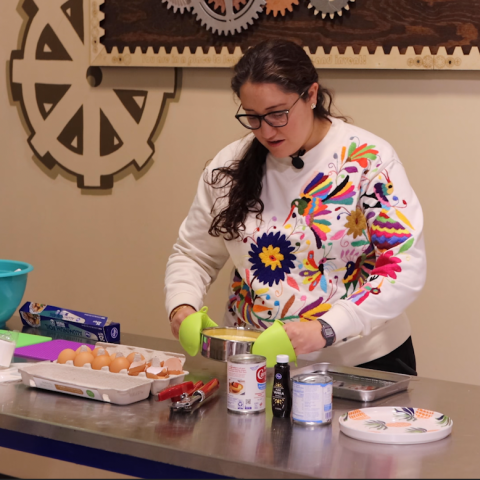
(158, 384)
(102, 384)
(85, 382)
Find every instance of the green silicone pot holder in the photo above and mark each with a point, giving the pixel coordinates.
(191, 328)
(272, 342)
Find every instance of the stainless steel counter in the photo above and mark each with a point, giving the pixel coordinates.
(258, 446)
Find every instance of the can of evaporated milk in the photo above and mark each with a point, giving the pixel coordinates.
(247, 380)
(312, 399)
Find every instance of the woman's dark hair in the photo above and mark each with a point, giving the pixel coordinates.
(288, 66)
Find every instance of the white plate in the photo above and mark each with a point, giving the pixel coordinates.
(395, 425)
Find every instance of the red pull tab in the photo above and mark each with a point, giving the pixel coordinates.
(175, 391)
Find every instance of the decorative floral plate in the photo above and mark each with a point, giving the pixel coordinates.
(396, 425)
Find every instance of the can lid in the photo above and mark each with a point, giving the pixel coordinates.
(283, 359)
(315, 378)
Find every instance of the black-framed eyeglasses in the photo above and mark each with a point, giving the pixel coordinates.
(274, 119)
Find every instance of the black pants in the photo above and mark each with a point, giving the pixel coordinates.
(401, 360)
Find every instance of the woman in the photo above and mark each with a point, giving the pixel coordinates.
(318, 217)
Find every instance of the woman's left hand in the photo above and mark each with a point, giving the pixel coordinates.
(306, 337)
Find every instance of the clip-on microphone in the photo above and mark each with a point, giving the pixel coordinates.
(297, 162)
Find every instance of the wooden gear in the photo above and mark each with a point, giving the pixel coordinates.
(204, 49)
(280, 6)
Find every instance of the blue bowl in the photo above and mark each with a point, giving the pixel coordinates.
(12, 287)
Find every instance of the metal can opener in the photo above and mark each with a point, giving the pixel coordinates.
(191, 402)
(177, 392)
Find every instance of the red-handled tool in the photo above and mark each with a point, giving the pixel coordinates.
(197, 398)
(198, 385)
(177, 392)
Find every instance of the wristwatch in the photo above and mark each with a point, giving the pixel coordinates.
(327, 333)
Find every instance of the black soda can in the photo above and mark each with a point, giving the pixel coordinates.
(281, 394)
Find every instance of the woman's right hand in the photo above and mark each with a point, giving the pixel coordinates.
(179, 317)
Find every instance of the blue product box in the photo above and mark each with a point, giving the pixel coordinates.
(70, 322)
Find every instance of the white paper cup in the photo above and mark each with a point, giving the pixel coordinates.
(7, 347)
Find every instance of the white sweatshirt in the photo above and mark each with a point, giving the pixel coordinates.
(340, 239)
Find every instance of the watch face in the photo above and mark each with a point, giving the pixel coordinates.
(329, 332)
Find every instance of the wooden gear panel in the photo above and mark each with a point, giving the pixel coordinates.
(361, 34)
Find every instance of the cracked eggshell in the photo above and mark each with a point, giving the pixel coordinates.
(138, 364)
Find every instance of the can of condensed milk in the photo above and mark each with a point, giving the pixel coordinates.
(312, 399)
(247, 381)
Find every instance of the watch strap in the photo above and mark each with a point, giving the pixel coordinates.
(327, 333)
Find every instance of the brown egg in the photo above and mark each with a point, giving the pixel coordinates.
(101, 361)
(84, 348)
(66, 355)
(120, 363)
(132, 356)
(82, 358)
(113, 356)
(99, 351)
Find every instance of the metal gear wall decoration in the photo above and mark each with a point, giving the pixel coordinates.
(280, 6)
(445, 36)
(329, 7)
(231, 20)
(179, 5)
(220, 4)
(91, 132)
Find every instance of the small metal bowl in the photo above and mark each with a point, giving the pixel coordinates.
(220, 349)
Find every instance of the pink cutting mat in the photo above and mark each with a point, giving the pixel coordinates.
(48, 350)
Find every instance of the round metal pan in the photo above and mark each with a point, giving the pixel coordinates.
(220, 349)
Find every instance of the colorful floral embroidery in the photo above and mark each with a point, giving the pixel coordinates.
(364, 292)
(314, 200)
(271, 258)
(361, 154)
(356, 272)
(387, 233)
(315, 310)
(309, 250)
(387, 265)
(314, 273)
(242, 302)
(356, 223)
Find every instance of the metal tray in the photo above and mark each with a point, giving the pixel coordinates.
(360, 384)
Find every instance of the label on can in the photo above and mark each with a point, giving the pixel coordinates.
(246, 375)
(312, 399)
